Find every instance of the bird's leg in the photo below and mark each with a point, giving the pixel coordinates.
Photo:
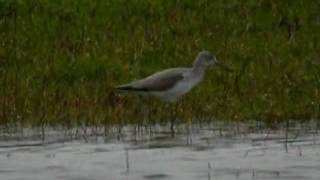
(172, 127)
(150, 117)
(173, 119)
(145, 114)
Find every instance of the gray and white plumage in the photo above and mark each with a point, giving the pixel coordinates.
(170, 84)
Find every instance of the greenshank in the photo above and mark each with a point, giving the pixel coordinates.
(170, 84)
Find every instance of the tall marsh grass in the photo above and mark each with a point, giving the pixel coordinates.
(59, 60)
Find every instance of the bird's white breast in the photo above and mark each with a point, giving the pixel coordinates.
(180, 88)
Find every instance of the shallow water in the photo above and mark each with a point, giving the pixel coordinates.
(202, 154)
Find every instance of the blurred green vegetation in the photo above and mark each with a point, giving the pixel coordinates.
(59, 60)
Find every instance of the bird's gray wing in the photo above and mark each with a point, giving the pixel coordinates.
(159, 81)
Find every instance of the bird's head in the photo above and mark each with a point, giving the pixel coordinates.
(206, 58)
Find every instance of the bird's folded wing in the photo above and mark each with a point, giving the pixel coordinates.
(160, 81)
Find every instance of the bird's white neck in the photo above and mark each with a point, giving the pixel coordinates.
(199, 69)
(199, 65)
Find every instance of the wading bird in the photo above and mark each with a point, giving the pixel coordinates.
(170, 84)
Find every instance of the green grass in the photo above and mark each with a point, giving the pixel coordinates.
(59, 59)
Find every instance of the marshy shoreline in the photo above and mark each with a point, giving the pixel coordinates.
(59, 60)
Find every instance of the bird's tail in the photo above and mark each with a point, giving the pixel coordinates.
(129, 88)
(125, 87)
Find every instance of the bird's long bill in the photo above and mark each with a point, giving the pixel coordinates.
(223, 66)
